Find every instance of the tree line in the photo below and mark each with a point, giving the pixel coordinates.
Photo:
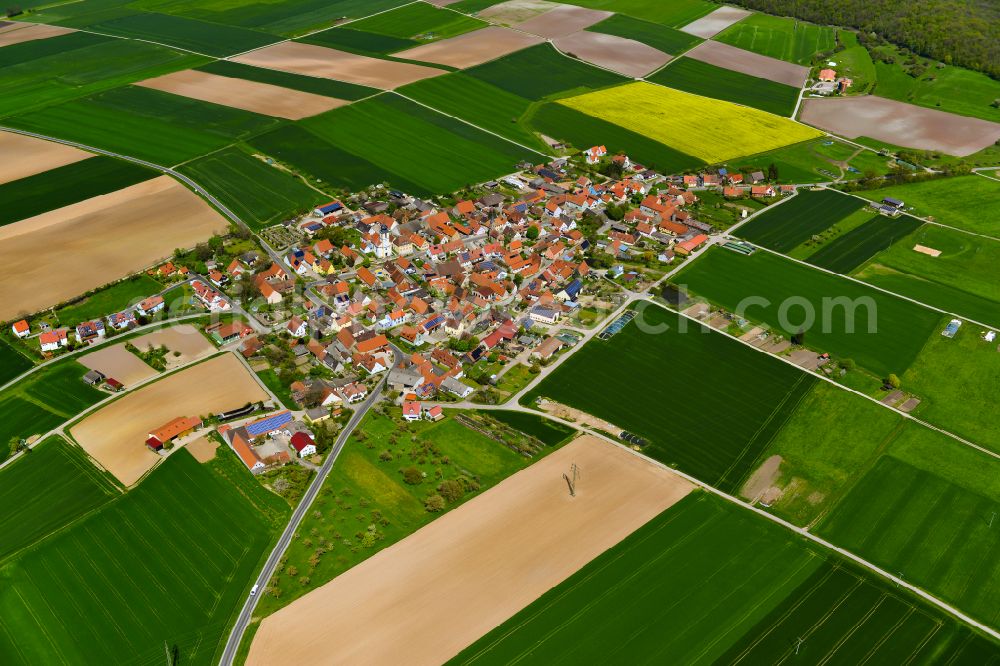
(956, 32)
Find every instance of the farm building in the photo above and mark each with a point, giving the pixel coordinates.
(178, 427)
(303, 444)
(239, 442)
(93, 378)
(269, 424)
(544, 315)
(685, 248)
(545, 350)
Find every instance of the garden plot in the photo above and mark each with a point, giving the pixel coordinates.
(476, 566)
(261, 98)
(30, 33)
(333, 64)
(716, 22)
(900, 124)
(117, 362)
(747, 62)
(115, 435)
(562, 20)
(100, 240)
(22, 156)
(625, 56)
(472, 48)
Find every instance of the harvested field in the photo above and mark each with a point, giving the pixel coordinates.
(115, 435)
(900, 124)
(31, 33)
(333, 64)
(150, 219)
(625, 56)
(563, 20)
(474, 567)
(184, 339)
(22, 156)
(515, 11)
(747, 62)
(472, 48)
(203, 449)
(117, 362)
(716, 22)
(242, 94)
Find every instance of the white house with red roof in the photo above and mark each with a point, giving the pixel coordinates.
(595, 153)
(303, 444)
(53, 340)
(411, 410)
(297, 327)
(21, 329)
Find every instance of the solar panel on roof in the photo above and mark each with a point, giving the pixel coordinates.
(270, 423)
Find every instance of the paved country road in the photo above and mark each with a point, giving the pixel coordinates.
(246, 614)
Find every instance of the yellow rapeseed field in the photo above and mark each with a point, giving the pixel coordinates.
(709, 129)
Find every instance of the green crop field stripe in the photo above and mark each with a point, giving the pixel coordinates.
(66, 185)
(848, 252)
(356, 41)
(666, 39)
(35, 51)
(787, 226)
(186, 33)
(309, 84)
(708, 80)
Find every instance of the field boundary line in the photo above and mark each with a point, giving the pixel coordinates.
(470, 124)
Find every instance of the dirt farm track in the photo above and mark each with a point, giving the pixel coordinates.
(115, 434)
(100, 240)
(424, 599)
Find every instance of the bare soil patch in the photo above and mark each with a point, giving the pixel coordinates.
(320, 61)
(562, 20)
(60, 254)
(900, 124)
(577, 416)
(117, 362)
(516, 11)
(242, 94)
(22, 156)
(472, 48)
(929, 251)
(183, 339)
(30, 33)
(716, 22)
(747, 62)
(115, 435)
(203, 449)
(625, 56)
(762, 479)
(434, 593)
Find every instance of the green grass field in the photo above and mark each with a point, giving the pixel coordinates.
(888, 332)
(731, 588)
(51, 71)
(401, 137)
(936, 533)
(148, 124)
(109, 300)
(365, 505)
(259, 194)
(200, 37)
(546, 431)
(857, 246)
(967, 202)
(48, 397)
(624, 380)
(830, 437)
(961, 280)
(541, 72)
(419, 21)
(479, 103)
(957, 379)
(659, 36)
(855, 62)
(583, 131)
(831, 234)
(310, 84)
(169, 562)
(784, 227)
(802, 162)
(66, 185)
(46, 490)
(701, 78)
(675, 14)
(12, 363)
(778, 37)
